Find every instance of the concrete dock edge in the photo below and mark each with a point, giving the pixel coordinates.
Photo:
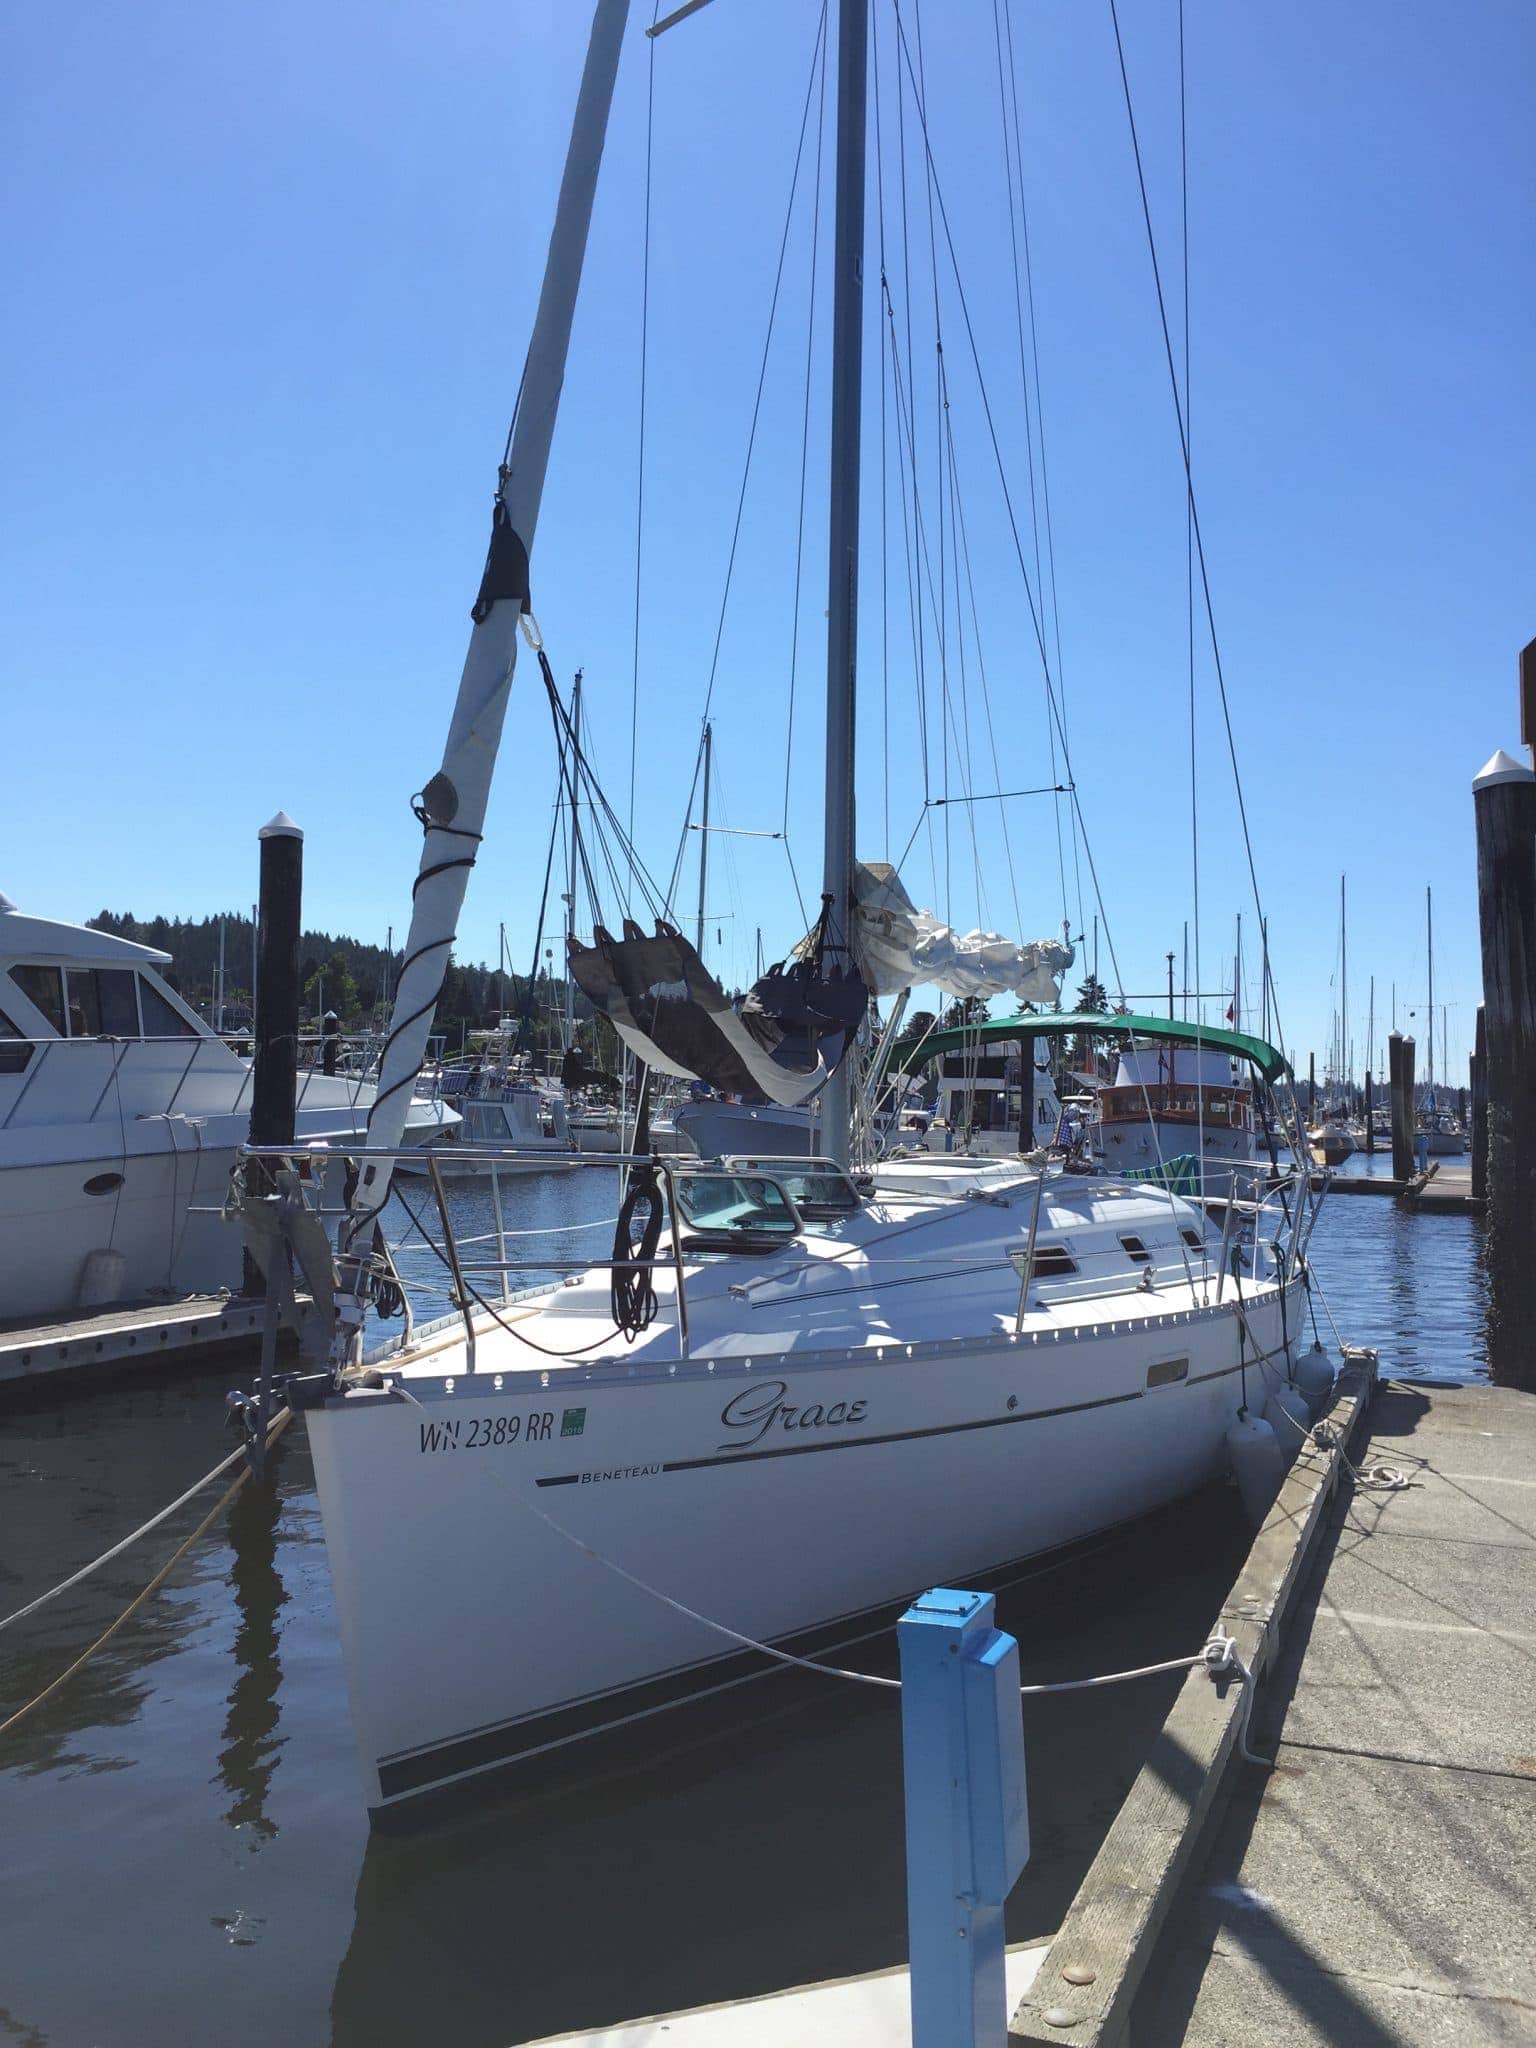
(1090, 1974)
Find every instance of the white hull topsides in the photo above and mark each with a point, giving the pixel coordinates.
(801, 1466)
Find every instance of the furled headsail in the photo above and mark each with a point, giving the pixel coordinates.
(899, 946)
(781, 1042)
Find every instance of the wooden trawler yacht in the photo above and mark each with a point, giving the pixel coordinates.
(1193, 1101)
(795, 1393)
(121, 1114)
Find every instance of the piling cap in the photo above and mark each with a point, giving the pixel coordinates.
(1502, 768)
(281, 827)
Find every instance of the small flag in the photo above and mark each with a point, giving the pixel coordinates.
(1231, 1013)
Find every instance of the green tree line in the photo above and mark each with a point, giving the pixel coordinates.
(344, 974)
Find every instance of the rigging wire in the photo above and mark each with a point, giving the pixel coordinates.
(645, 325)
(941, 607)
(986, 700)
(909, 453)
(1044, 516)
(805, 440)
(1009, 153)
(1035, 609)
(885, 554)
(757, 406)
(1189, 572)
(1193, 507)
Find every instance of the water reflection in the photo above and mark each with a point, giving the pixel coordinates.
(763, 1847)
(759, 1851)
(249, 1757)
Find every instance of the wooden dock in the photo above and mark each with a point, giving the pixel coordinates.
(115, 1338)
(1444, 1191)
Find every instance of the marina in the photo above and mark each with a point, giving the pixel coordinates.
(764, 1424)
(211, 1743)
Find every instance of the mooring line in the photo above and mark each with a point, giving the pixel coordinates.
(1219, 1654)
(155, 1583)
(127, 1542)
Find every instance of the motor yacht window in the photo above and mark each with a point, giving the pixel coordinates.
(43, 987)
(160, 1019)
(102, 1002)
(1137, 1250)
(15, 1052)
(734, 1211)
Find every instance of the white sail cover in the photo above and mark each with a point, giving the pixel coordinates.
(898, 946)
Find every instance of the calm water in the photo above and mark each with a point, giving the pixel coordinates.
(185, 1853)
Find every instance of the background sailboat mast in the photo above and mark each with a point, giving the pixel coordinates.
(1429, 935)
(843, 539)
(574, 821)
(1344, 1046)
(453, 803)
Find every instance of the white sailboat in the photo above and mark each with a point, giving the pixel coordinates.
(543, 1525)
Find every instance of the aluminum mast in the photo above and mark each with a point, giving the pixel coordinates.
(843, 538)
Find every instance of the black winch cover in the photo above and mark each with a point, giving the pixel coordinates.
(783, 1043)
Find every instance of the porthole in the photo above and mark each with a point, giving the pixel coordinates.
(103, 1184)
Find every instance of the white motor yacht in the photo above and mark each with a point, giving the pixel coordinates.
(120, 1115)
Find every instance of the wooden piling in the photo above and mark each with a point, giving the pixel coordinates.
(1479, 1117)
(1504, 799)
(1400, 1081)
(274, 1083)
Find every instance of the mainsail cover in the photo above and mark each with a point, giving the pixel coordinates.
(781, 1042)
(897, 946)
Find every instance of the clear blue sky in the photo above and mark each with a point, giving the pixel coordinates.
(271, 272)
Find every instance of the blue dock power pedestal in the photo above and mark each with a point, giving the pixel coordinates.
(962, 1737)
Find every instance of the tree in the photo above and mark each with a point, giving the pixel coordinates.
(331, 987)
(1093, 995)
(965, 1010)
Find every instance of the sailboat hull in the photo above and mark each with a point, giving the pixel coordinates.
(474, 1527)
